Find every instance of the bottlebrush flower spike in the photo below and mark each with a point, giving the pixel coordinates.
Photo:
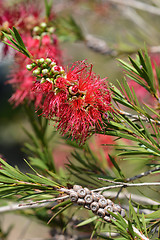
(78, 98)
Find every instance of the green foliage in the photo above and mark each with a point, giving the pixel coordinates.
(17, 42)
(13, 183)
(68, 30)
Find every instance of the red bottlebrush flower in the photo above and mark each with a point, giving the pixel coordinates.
(21, 79)
(78, 102)
(24, 16)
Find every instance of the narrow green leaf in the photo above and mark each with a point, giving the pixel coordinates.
(87, 221)
(11, 46)
(116, 166)
(59, 212)
(18, 38)
(134, 215)
(154, 215)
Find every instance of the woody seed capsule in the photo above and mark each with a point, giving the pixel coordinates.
(81, 201)
(94, 206)
(101, 212)
(88, 198)
(87, 190)
(96, 196)
(108, 208)
(102, 202)
(73, 196)
(76, 187)
(117, 208)
(109, 202)
(81, 193)
(107, 219)
(123, 213)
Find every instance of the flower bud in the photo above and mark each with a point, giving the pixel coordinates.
(96, 196)
(44, 65)
(41, 60)
(53, 64)
(87, 190)
(43, 25)
(48, 60)
(36, 29)
(29, 67)
(36, 71)
(55, 69)
(73, 90)
(33, 64)
(43, 80)
(51, 29)
(45, 71)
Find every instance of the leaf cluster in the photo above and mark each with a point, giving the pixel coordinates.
(17, 42)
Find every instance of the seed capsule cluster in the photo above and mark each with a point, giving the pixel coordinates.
(95, 202)
(46, 70)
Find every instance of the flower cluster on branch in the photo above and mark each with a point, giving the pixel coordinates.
(76, 98)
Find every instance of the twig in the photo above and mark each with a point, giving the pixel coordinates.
(156, 169)
(137, 117)
(135, 197)
(37, 204)
(120, 184)
(99, 45)
(138, 5)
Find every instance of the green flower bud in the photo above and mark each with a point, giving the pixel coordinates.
(36, 29)
(45, 71)
(44, 65)
(48, 60)
(51, 29)
(41, 60)
(52, 64)
(43, 80)
(43, 25)
(36, 71)
(33, 65)
(29, 67)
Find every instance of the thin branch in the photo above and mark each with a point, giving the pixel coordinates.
(37, 204)
(99, 45)
(138, 5)
(134, 197)
(137, 117)
(120, 184)
(156, 169)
